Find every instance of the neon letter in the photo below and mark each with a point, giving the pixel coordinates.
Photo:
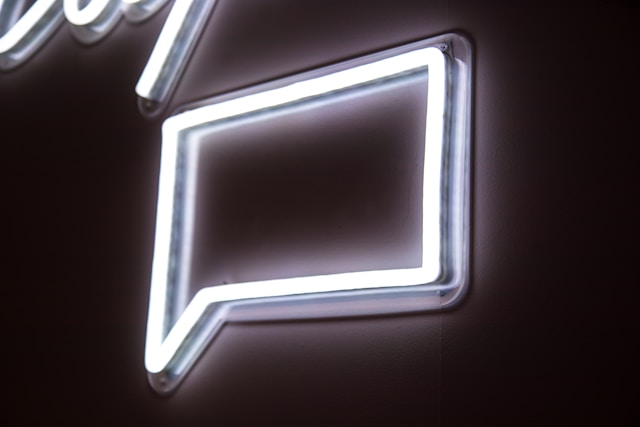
(29, 32)
(94, 21)
(139, 10)
(171, 52)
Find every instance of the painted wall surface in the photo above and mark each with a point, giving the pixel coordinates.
(546, 334)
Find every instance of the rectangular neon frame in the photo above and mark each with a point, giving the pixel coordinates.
(438, 283)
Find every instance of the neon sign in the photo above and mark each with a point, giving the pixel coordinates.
(22, 36)
(180, 324)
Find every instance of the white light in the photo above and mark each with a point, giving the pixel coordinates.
(162, 346)
(86, 15)
(139, 10)
(172, 49)
(93, 21)
(32, 30)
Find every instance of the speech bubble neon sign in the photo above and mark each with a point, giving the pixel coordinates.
(22, 35)
(178, 329)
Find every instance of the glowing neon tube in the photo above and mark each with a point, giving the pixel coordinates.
(163, 344)
(29, 32)
(171, 52)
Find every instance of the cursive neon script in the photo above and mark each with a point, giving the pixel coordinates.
(22, 34)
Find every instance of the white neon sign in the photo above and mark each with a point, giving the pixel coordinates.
(88, 14)
(175, 339)
(173, 47)
(23, 35)
(93, 21)
(139, 10)
(179, 329)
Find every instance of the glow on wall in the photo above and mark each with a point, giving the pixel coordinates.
(181, 323)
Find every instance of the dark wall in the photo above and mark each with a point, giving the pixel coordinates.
(546, 334)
